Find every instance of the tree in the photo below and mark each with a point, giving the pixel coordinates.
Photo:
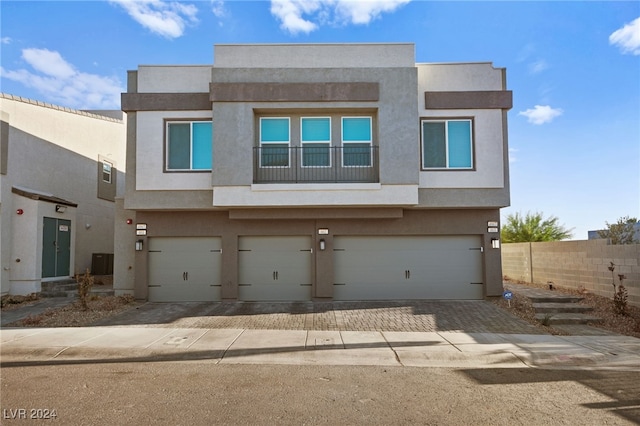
(621, 232)
(532, 228)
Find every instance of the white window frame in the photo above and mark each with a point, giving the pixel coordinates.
(328, 143)
(167, 156)
(446, 132)
(108, 173)
(370, 141)
(263, 143)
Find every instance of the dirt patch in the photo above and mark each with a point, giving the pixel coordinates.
(11, 302)
(603, 307)
(72, 315)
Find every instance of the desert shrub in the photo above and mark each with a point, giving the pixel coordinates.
(620, 300)
(85, 282)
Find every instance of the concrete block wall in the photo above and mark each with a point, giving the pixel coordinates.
(575, 264)
(516, 261)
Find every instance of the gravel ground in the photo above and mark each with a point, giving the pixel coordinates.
(603, 307)
(71, 315)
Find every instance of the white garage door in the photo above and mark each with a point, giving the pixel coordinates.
(386, 268)
(184, 269)
(274, 268)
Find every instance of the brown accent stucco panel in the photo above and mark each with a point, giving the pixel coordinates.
(165, 102)
(368, 213)
(413, 222)
(295, 92)
(107, 190)
(498, 99)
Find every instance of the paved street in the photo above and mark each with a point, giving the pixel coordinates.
(202, 393)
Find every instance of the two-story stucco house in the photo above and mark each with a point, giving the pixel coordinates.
(313, 172)
(60, 172)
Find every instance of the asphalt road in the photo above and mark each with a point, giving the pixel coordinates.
(203, 393)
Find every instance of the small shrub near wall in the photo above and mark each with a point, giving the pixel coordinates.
(575, 264)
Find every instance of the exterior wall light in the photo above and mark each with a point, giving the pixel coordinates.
(322, 245)
(139, 245)
(60, 209)
(495, 243)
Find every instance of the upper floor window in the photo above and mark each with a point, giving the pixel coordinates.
(274, 141)
(315, 137)
(106, 177)
(106, 171)
(189, 145)
(447, 144)
(356, 141)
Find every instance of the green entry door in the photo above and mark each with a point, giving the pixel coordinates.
(56, 247)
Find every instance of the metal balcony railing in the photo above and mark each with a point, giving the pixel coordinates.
(315, 163)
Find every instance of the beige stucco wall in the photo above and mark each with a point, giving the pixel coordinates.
(150, 154)
(575, 264)
(489, 144)
(336, 55)
(124, 250)
(173, 79)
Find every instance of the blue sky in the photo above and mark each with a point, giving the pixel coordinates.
(574, 69)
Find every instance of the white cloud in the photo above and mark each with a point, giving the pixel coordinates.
(5, 40)
(290, 14)
(541, 114)
(627, 38)
(217, 7)
(363, 12)
(512, 155)
(305, 16)
(165, 18)
(538, 66)
(60, 82)
(48, 62)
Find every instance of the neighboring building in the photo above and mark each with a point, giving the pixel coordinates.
(595, 235)
(60, 171)
(314, 172)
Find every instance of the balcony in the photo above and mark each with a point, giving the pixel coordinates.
(316, 163)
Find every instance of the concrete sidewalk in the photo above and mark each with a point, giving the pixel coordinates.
(399, 333)
(50, 346)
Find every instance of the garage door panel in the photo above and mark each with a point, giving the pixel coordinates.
(413, 267)
(184, 269)
(179, 291)
(274, 268)
(266, 292)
